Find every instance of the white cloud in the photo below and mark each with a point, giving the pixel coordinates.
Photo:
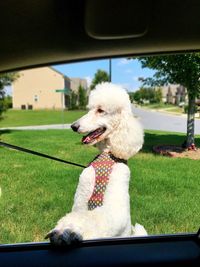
(125, 85)
(8, 90)
(89, 80)
(128, 71)
(124, 61)
(135, 78)
(129, 87)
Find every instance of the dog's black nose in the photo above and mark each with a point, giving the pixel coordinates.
(75, 126)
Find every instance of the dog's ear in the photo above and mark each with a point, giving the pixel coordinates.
(128, 137)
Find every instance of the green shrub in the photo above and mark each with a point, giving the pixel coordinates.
(186, 109)
(8, 101)
(73, 101)
(82, 98)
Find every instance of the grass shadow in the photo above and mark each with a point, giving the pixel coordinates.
(2, 132)
(153, 139)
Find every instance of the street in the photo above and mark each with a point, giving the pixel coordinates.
(154, 120)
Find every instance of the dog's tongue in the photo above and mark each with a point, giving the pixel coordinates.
(92, 136)
(86, 140)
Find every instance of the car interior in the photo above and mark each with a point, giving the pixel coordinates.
(39, 33)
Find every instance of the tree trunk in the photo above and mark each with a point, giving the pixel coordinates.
(190, 121)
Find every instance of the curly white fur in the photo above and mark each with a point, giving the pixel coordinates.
(109, 107)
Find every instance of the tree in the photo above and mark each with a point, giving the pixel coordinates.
(73, 100)
(5, 80)
(181, 69)
(8, 101)
(82, 97)
(137, 96)
(153, 95)
(158, 95)
(131, 96)
(99, 77)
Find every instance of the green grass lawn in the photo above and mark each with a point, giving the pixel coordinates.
(13, 118)
(36, 192)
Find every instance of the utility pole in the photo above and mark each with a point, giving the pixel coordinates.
(110, 70)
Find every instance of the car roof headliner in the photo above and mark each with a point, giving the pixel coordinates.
(36, 32)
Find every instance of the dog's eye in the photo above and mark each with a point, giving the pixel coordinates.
(99, 110)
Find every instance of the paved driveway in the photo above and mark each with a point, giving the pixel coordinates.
(154, 120)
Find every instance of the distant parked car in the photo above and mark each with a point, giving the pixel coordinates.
(181, 104)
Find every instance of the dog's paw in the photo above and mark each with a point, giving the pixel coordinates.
(62, 238)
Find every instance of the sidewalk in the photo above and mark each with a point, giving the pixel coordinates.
(39, 127)
(163, 110)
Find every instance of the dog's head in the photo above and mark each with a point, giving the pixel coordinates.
(110, 124)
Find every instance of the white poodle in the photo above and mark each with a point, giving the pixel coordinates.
(101, 204)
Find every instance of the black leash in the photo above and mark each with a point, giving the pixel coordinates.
(39, 154)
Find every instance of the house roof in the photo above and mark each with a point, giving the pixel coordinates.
(63, 75)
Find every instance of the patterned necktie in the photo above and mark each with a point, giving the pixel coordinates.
(103, 166)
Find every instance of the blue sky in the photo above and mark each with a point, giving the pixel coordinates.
(124, 72)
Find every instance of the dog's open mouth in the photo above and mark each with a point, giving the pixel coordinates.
(93, 136)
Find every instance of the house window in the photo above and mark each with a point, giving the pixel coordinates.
(36, 98)
(23, 106)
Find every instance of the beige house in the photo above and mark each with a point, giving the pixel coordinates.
(173, 94)
(36, 89)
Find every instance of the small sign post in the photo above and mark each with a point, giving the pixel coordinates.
(62, 91)
(65, 90)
